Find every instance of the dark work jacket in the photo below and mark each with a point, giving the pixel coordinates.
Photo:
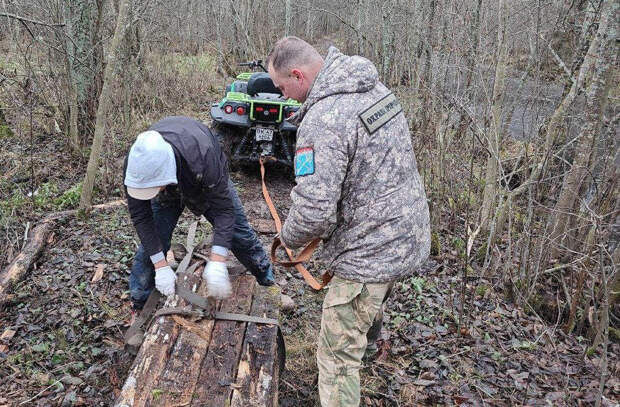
(202, 176)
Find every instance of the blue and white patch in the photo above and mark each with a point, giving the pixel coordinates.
(304, 161)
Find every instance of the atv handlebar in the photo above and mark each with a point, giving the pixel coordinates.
(254, 64)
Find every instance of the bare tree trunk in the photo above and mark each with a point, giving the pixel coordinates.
(310, 21)
(218, 34)
(387, 41)
(596, 102)
(72, 96)
(428, 48)
(105, 102)
(287, 18)
(360, 23)
(495, 136)
(474, 34)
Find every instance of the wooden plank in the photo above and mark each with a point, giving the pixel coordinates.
(220, 364)
(258, 374)
(179, 377)
(152, 358)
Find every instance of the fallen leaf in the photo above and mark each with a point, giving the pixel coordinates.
(98, 272)
(428, 364)
(427, 376)
(8, 334)
(458, 400)
(3, 348)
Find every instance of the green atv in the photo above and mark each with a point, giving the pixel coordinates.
(250, 120)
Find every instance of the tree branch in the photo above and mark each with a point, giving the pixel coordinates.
(28, 20)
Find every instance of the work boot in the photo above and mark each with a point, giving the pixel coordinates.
(265, 277)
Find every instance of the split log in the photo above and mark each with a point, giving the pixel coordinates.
(263, 355)
(175, 366)
(220, 363)
(37, 238)
(155, 377)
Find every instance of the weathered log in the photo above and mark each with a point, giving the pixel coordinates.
(29, 254)
(175, 385)
(35, 244)
(220, 363)
(263, 353)
(160, 341)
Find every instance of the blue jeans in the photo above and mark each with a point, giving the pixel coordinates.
(245, 245)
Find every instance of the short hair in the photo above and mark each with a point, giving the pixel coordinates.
(292, 51)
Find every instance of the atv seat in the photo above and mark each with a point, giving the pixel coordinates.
(260, 82)
(237, 86)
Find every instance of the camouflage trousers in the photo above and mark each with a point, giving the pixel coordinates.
(352, 318)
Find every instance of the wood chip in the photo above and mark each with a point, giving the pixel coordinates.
(98, 272)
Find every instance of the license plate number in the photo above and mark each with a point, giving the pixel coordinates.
(263, 134)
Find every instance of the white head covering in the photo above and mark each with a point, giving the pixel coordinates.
(150, 166)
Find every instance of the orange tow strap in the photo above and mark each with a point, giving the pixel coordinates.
(305, 254)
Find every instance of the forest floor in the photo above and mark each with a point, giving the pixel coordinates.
(62, 331)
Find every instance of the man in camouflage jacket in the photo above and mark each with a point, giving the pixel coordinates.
(359, 190)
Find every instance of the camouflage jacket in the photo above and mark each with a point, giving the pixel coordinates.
(358, 186)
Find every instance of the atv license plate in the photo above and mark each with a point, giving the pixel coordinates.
(263, 134)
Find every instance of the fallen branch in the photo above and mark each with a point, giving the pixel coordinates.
(33, 247)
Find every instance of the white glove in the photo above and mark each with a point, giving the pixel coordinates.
(164, 280)
(218, 284)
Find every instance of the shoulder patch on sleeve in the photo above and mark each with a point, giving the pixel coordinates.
(380, 113)
(304, 161)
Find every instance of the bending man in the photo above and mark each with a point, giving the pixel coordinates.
(178, 162)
